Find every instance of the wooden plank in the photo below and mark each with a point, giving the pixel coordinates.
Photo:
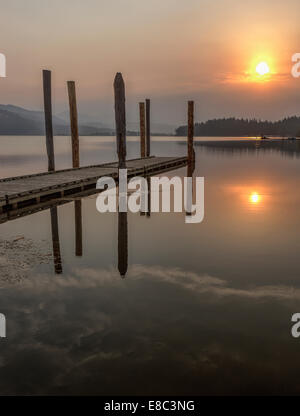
(103, 166)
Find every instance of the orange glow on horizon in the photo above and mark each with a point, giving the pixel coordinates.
(261, 69)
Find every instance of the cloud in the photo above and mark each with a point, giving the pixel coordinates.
(88, 278)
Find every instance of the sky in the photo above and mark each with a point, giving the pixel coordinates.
(167, 50)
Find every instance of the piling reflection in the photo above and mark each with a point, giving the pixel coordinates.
(122, 238)
(78, 227)
(190, 185)
(146, 211)
(122, 243)
(55, 240)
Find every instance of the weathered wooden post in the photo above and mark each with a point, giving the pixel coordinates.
(48, 119)
(55, 241)
(191, 157)
(142, 129)
(78, 228)
(190, 131)
(191, 152)
(148, 128)
(74, 123)
(120, 116)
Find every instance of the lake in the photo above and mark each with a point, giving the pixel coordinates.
(204, 308)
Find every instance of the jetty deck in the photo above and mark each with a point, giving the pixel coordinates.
(21, 191)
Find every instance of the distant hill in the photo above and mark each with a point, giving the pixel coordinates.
(12, 123)
(133, 127)
(19, 121)
(86, 121)
(244, 127)
(156, 128)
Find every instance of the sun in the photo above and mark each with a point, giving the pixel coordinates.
(254, 198)
(262, 68)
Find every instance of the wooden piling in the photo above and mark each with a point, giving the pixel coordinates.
(78, 228)
(120, 116)
(148, 128)
(190, 131)
(191, 152)
(48, 119)
(74, 123)
(142, 129)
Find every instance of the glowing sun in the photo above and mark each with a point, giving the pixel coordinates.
(254, 198)
(262, 68)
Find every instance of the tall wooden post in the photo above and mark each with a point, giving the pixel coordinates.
(191, 153)
(74, 123)
(48, 118)
(120, 116)
(148, 131)
(142, 129)
(191, 131)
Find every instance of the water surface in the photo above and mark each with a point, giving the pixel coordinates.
(204, 308)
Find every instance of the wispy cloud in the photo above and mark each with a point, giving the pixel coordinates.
(88, 278)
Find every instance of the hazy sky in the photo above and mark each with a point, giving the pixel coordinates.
(167, 50)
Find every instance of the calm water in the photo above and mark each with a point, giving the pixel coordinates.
(204, 308)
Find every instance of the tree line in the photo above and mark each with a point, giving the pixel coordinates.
(232, 126)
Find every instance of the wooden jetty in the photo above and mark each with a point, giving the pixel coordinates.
(21, 191)
(25, 193)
